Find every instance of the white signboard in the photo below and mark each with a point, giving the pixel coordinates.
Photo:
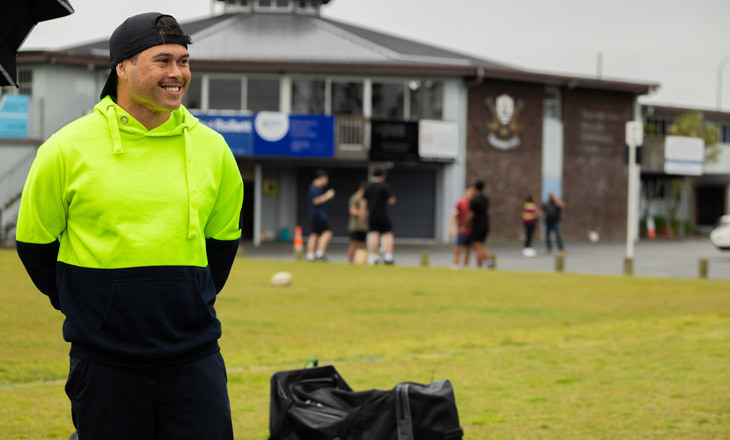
(684, 155)
(438, 139)
(635, 133)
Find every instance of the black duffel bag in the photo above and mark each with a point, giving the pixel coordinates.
(317, 404)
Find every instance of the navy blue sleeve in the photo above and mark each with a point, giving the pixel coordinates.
(40, 263)
(221, 254)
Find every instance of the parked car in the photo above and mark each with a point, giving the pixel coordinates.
(720, 236)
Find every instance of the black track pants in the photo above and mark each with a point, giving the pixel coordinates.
(186, 401)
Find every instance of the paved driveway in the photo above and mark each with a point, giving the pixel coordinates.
(661, 258)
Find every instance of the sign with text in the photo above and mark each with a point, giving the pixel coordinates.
(237, 130)
(282, 135)
(684, 155)
(438, 139)
(271, 134)
(393, 140)
(14, 113)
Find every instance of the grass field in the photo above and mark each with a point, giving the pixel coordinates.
(530, 355)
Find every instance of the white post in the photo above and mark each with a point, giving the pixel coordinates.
(634, 136)
(258, 181)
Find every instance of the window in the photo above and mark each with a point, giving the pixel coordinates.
(282, 4)
(192, 98)
(224, 94)
(551, 103)
(426, 99)
(308, 96)
(347, 98)
(657, 125)
(388, 100)
(263, 94)
(264, 4)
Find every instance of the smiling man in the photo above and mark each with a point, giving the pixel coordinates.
(129, 223)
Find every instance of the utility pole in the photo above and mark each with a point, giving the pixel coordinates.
(720, 69)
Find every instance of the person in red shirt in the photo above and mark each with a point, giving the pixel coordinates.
(459, 228)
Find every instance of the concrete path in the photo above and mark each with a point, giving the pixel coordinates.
(660, 258)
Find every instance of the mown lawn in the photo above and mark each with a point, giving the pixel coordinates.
(530, 355)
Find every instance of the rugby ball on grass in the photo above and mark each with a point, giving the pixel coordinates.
(281, 279)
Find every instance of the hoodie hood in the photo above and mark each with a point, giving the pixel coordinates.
(180, 122)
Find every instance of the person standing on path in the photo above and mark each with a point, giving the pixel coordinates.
(129, 222)
(320, 235)
(530, 214)
(552, 210)
(478, 219)
(376, 199)
(357, 225)
(459, 229)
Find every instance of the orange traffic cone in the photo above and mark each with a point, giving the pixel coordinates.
(298, 243)
(650, 228)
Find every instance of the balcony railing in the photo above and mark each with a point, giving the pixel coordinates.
(352, 138)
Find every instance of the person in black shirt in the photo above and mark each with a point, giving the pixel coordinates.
(478, 217)
(376, 199)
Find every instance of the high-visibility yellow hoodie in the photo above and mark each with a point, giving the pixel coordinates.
(132, 233)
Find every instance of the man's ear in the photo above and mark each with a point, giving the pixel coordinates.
(122, 69)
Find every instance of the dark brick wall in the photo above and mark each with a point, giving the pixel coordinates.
(510, 174)
(594, 179)
(594, 173)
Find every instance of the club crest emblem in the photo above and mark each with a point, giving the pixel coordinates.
(503, 130)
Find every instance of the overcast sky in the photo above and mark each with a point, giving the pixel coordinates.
(677, 43)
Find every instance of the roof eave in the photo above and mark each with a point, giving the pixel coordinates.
(358, 68)
(570, 82)
(63, 57)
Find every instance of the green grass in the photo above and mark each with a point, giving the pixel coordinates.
(530, 355)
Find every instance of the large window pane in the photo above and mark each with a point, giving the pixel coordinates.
(263, 95)
(307, 96)
(224, 94)
(347, 98)
(388, 100)
(192, 96)
(426, 99)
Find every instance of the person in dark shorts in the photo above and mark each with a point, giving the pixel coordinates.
(459, 229)
(552, 209)
(357, 225)
(478, 218)
(376, 199)
(320, 235)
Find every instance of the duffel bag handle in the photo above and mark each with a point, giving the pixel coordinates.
(404, 422)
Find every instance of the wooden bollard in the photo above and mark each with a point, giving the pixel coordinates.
(703, 267)
(425, 259)
(559, 263)
(628, 266)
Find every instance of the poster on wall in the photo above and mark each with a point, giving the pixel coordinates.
(14, 115)
(237, 130)
(438, 140)
(504, 131)
(393, 141)
(282, 135)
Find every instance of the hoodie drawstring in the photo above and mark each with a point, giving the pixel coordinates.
(194, 221)
(111, 114)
